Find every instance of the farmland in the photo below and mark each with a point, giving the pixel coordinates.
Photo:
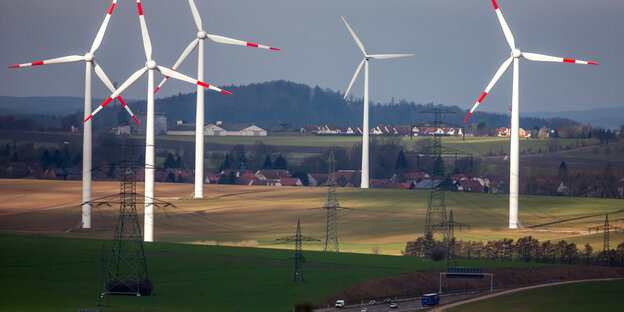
(477, 146)
(378, 221)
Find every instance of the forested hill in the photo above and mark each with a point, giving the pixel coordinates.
(268, 104)
(275, 102)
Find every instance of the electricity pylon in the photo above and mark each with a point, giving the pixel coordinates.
(124, 269)
(449, 238)
(331, 229)
(436, 219)
(299, 259)
(606, 249)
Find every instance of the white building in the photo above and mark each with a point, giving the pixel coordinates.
(218, 129)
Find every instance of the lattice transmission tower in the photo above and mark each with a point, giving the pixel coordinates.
(436, 221)
(449, 242)
(331, 228)
(123, 268)
(298, 259)
(606, 249)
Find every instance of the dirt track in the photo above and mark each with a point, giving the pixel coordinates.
(415, 284)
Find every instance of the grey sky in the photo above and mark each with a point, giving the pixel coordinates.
(459, 45)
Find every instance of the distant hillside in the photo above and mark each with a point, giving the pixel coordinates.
(269, 103)
(49, 105)
(607, 118)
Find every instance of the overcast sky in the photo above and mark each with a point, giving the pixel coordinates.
(458, 44)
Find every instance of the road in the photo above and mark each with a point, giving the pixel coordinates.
(448, 301)
(405, 305)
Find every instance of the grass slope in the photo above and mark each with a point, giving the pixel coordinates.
(61, 274)
(589, 296)
(381, 220)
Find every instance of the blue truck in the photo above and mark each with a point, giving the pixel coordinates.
(429, 300)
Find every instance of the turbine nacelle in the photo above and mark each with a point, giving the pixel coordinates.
(515, 53)
(88, 57)
(202, 35)
(151, 65)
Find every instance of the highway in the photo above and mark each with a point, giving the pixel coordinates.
(405, 305)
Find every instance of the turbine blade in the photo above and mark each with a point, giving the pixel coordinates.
(58, 60)
(182, 57)
(100, 72)
(100, 34)
(548, 58)
(388, 56)
(357, 72)
(226, 40)
(147, 44)
(116, 93)
(196, 16)
(355, 37)
(176, 75)
(506, 30)
(501, 70)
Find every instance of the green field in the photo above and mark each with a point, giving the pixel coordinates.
(475, 145)
(61, 274)
(589, 296)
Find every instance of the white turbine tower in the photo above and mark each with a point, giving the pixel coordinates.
(364, 179)
(514, 152)
(90, 64)
(149, 67)
(199, 119)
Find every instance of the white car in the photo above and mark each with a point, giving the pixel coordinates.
(340, 304)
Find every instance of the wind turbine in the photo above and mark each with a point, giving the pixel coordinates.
(149, 67)
(514, 152)
(90, 64)
(199, 119)
(364, 179)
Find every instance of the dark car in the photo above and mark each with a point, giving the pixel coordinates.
(387, 300)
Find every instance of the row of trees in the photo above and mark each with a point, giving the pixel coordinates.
(59, 156)
(526, 249)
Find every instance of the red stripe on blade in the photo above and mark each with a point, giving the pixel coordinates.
(107, 101)
(14, 66)
(205, 85)
(271, 48)
(37, 63)
(592, 63)
(249, 44)
(121, 100)
(135, 119)
(228, 93)
(157, 88)
(495, 4)
(482, 97)
(565, 60)
(467, 116)
(87, 118)
(140, 8)
(110, 11)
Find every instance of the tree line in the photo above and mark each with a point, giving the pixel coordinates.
(524, 249)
